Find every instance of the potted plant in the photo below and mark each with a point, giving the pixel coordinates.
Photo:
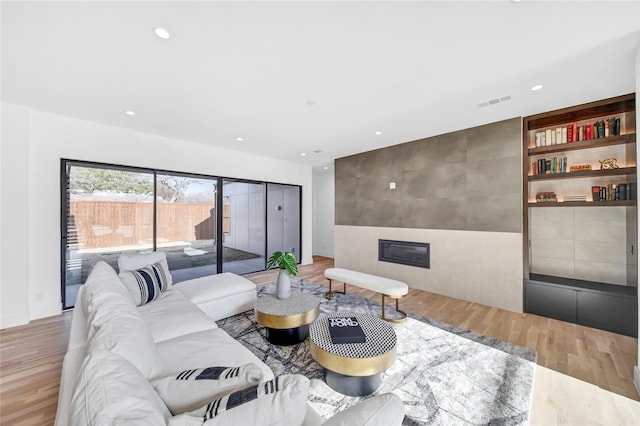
(286, 261)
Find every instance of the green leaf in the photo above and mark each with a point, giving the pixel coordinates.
(283, 260)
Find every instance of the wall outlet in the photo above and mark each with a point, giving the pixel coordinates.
(37, 297)
(392, 185)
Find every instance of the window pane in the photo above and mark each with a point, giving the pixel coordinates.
(108, 212)
(283, 218)
(243, 226)
(187, 225)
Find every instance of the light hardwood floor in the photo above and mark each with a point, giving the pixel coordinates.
(584, 376)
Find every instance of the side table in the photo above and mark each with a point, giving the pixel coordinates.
(287, 320)
(354, 369)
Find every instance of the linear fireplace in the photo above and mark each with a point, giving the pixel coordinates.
(404, 253)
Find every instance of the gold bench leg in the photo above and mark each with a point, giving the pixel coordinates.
(332, 292)
(404, 314)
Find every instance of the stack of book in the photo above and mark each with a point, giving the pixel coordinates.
(574, 133)
(345, 330)
(614, 192)
(574, 198)
(546, 197)
(546, 166)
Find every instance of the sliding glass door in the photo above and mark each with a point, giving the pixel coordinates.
(283, 218)
(109, 211)
(243, 226)
(205, 224)
(186, 224)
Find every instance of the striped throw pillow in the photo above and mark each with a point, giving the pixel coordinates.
(191, 389)
(145, 284)
(281, 401)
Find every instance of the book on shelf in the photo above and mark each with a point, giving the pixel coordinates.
(595, 192)
(546, 197)
(570, 133)
(622, 191)
(574, 198)
(345, 330)
(614, 192)
(549, 166)
(573, 132)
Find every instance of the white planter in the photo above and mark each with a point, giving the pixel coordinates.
(284, 285)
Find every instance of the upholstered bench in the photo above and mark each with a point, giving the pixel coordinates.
(393, 289)
(221, 295)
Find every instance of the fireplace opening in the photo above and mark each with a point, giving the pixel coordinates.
(404, 253)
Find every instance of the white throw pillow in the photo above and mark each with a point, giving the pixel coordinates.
(133, 261)
(147, 283)
(111, 391)
(191, 389)
(125, 334)
(382, 410)
(278, 402)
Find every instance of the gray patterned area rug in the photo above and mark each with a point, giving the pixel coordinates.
(444, 375)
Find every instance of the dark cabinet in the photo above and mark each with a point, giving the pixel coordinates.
(604, 306)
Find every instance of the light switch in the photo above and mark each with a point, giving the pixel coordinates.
(392, 185)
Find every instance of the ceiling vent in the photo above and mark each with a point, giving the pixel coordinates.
(494, 101)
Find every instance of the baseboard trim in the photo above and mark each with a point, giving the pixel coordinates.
(636, 378)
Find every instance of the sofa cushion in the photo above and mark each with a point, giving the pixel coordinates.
(191, 389)
(133, 261)
(103, 287)
(172, 315)
(111, 391)
(382, 410)
(145, 284)
(203, 289)
(124, 333)
(281, 401)
(209, 347)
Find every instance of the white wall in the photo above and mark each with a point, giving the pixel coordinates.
(14, 188)
(33, 144)
(323, 212)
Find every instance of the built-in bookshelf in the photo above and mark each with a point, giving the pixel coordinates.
(582, 157)
(571, 144)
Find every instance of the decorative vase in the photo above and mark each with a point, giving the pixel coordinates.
(283, 287)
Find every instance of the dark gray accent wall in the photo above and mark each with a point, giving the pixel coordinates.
(465, 180)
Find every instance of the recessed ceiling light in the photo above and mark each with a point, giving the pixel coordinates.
(129, 112)
(239, 139)
(378, 132)
(303, 153)
(326, 167)
(516, 1)
(537, 87)
(162, 33)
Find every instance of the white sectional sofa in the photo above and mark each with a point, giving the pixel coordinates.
(166, 362)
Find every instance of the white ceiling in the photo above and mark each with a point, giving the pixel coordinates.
(247, 69)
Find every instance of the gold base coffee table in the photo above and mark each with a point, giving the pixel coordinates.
(287, 321)
(354, 369)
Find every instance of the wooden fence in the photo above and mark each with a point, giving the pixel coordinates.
(102, 224)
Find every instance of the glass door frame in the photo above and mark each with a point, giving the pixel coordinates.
(65, 163)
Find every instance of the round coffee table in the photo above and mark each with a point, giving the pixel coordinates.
(354, 369)
(287, 320)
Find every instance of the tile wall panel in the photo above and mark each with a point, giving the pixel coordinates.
(465, 180)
